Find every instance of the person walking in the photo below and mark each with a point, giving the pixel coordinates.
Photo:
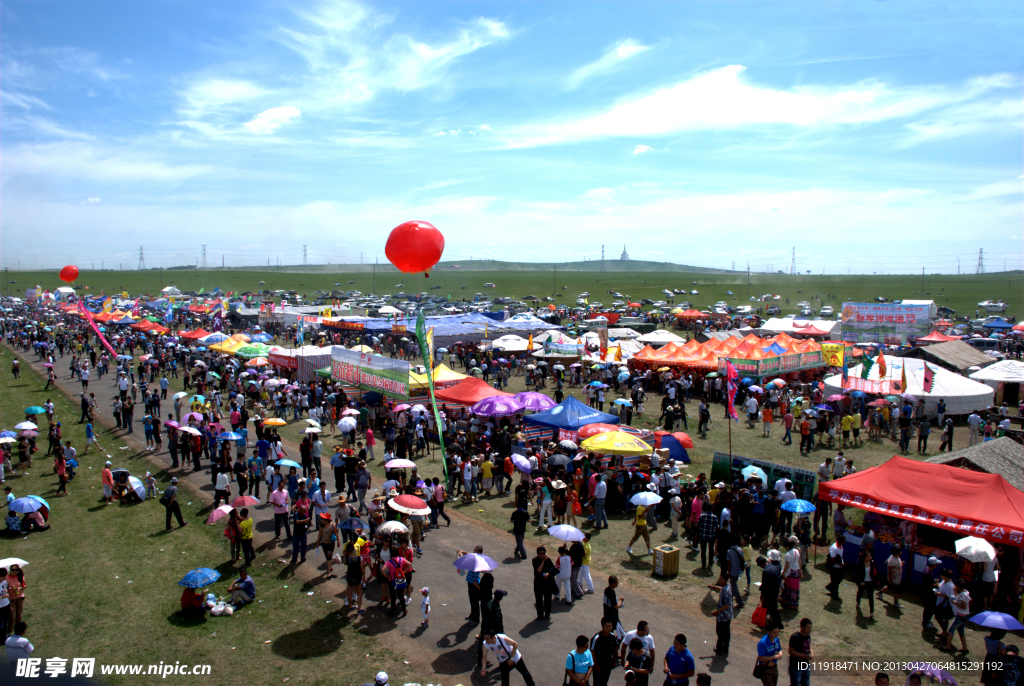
(679, 663)
(565, 575)
(520, 518)
(491, 619)
(544, 571)
(279, 499)
(579, 664)
(894, 569)
(169, 500)
(864, 575)
(771, 585)
(506, 652)
(961, 611)
(245, 526)
(640, 530)
(604, 648)
(723, 620)
(707, 532)
(769, 652)
(834, 564)
(800, 654)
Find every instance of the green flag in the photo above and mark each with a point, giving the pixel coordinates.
(426, 341)
(866, 365)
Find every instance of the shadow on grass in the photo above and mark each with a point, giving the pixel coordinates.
(186, 621)
(320, 638)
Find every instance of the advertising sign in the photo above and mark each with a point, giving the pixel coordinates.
(371, 372)
(345, 326)
(562, 348)
(774, 366)
(884, 322)
(726, 469)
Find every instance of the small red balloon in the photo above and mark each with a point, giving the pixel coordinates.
(69, 273)
(414, 247)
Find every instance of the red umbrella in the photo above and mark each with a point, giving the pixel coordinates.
(595, 429)
(244, 501)
(410, 504)
(634, 305)
(878, 403)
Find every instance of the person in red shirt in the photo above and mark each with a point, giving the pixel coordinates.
(108, 484)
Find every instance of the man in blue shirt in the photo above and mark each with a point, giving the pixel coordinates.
(679, 663)
(243, 591)
(263, 450)
(579, 663)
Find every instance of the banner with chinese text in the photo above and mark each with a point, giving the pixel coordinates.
(371, 372)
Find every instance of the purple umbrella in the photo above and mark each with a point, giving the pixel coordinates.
(497, 406)
(522, 464)
(474, 562)
(535, 402)
(931, 670)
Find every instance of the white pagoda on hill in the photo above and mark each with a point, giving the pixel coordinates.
(625, 255)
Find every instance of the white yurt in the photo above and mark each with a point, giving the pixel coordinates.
(962, 395)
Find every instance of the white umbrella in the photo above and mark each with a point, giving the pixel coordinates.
(417, 410)
(346, 424)
(568, 445)
(974, 549)
(181, 394)
(400, 464)
(314, 423)
(392, 528)
(190, 430)
(312, 430)
(565, 532)
(7, 562)
(646, 499)
(137, 486)
(27, 426)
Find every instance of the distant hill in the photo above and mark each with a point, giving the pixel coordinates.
(498, 265)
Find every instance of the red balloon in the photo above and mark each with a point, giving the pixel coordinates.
(69, 273)
(414, 246)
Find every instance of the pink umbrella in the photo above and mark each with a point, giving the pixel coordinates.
(48, 365)
(172, 423)
(219, 513)
(400, 408)
(535, 402)
(497, 406)
(194, 415)
(244, 501)
(400, 464)
(834, 398)
(350, 413)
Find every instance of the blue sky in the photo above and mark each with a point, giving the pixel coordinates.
(870, 136)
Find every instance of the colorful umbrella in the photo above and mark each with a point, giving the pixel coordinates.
(199, 578)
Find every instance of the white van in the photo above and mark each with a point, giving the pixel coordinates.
(983, 344)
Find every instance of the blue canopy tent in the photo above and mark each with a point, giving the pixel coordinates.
(998, 324)
(570, 415)
(775, 348)
(676, 451)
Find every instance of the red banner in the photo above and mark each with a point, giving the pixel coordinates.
(399, 328)
(868, 386)
(286, 361)
(567, 435)
(347, 326)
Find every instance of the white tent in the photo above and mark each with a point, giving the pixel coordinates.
(512, 343)
(171, 290)
(64, 292)
(794, 326)
(962, 395)
(661, 337)
(1007, 371)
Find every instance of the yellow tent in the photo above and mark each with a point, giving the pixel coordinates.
(442, 376)
(228, 346)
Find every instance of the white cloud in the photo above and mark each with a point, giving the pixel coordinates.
(612, 58)
(351, 56)
(25, 102)
(723, 99)
(269, 121)
(211, 96)
(67, 160)
(641, 149)
(92, 201)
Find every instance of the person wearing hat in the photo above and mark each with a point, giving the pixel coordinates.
(327, 538)
(675, 505)
(381, 679)
(169, 500)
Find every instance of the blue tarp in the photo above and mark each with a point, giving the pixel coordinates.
(676, 451)
(775, 348)
(998, 324)
(571, 415)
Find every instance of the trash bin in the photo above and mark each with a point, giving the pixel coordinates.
(666, 561)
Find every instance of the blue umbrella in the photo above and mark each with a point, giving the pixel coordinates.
(229, 436)
(372, 398)
(823, 408)
(123, 357)
(199, 577)
(622, 401)
(858, 394)
(623, 376)
(353, 523)
(997, 620)
(289, 463)
(202, 347)
(35, 409)
(8, 434)
(595, 384)
(24, 505)
(797, 505)
(40, 500)
(746, 381)
(751, 470)
(197, 399)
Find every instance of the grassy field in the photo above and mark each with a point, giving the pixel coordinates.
(102, 582)
(962, 293)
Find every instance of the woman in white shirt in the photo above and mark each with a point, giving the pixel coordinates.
(961, 610)
(565, 574)
(791, 572)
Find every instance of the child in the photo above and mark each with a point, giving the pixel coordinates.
(639, 661)
(748, 558)
(425, 607)
(151, 489)
(565, 574)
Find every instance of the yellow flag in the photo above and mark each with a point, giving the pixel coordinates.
(108, 305)
(904, 378)
(486, 326)
(618, 353)
(529, 345)
(124, 294)
(833, 354)
(586, 302)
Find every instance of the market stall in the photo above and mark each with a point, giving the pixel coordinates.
(939, 503)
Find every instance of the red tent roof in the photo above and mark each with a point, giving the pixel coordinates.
(467, 392)
(192, 335)
(811, 331)
(937, 337)
(966, 502)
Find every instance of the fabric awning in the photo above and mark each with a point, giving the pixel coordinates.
(571, 414)
(966, 502)
(467, 392)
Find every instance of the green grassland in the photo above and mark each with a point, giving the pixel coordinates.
(961, 292)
